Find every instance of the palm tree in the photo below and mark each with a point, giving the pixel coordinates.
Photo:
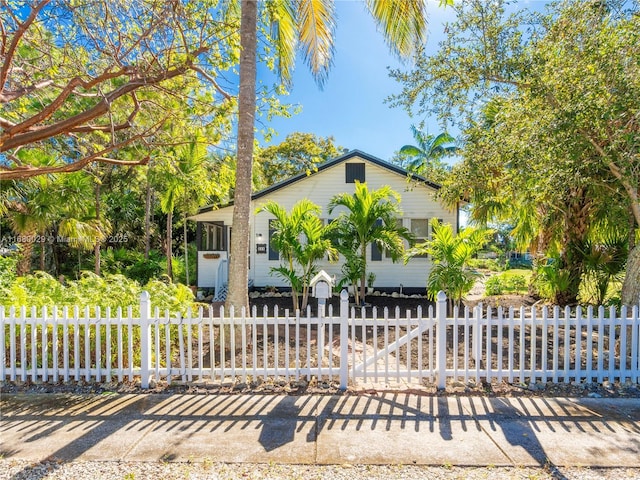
(63, 203)
(299, 237)
(186, 185)
(370, 217)
(30, 212)
(308, 24)
(31, 209)
(315, 246)
(286, 232)
(451, 254)
(425, 158)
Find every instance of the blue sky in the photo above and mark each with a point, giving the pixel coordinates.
(351, 106)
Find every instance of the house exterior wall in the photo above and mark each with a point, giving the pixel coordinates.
(208, 267)
(417, 203)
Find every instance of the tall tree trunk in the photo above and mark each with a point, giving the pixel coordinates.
(26, 250)
(55, 255)
(631, 285)
(169, 244)
(96, 248)
(238, 263)
(147, 220)
(186, 250)
(363, 277)
(42, 250)
(576, 225)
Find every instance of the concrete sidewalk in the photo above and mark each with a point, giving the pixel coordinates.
(314, 429)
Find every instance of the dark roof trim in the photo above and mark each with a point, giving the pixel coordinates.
(351, 154)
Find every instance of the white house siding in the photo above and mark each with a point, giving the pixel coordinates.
(208, 265)
(417, 202)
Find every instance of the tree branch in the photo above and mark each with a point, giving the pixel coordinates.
(617, 173)
(4, 123)
(19, 33)
(61, 98)
(111, 128)
(515, 83)
(213, 82)
(10, 140)
(113, 161)
(28, 171)
(6, 97)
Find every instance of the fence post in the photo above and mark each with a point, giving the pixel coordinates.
(476, 332)
(441, 339)
(344, 339)
(145, 339)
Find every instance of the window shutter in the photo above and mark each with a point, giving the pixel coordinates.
(273, 254)
(376, 253)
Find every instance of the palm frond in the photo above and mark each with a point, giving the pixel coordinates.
(411, 150)
(316, 24)
(403, 23)
(284, 33)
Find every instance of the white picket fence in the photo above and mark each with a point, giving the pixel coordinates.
(523, 345)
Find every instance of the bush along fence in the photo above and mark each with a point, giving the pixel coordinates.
(356, 345)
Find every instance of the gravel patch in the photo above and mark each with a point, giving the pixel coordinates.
(49, 470)
(313, 387)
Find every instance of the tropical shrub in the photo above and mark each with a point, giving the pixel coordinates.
(301, 240)
(494, 286)
(132, 264)
(351, 271)
(179, 270)
(605, 262)
(91, 293)
(551, 280)
(7, 269)
(41, 289)
(491, 264)
(451, 254)
(505, 283)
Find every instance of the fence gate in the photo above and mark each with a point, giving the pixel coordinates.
(391, 349)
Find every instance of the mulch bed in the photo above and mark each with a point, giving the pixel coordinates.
(302, 387)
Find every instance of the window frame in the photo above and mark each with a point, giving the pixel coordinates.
(420, 239)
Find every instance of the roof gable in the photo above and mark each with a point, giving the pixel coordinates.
(343, 158)
(331, 163)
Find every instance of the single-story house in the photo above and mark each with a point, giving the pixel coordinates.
(418, 207)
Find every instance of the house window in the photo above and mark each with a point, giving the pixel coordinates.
(219, 238)
(353, 172)
(212, 237)
(420, 229)
(273, 253)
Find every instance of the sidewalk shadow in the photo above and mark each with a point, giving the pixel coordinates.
(37, 417)
(275, 425)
